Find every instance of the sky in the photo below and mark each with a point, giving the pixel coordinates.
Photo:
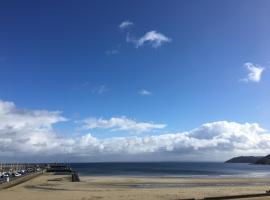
(134, 80)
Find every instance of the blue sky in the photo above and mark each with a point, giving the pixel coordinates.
(73, 57)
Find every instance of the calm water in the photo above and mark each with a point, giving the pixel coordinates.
(172, 169)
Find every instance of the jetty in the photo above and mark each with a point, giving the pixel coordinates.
(63, 169)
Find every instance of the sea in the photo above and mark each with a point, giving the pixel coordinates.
(173, 169)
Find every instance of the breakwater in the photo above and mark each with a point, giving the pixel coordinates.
(63, 169)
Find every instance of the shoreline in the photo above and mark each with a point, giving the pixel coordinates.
(60, 187)
(181, 176)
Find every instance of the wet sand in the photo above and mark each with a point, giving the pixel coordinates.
(59, 187)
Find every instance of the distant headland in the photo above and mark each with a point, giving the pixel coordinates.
(262, 160)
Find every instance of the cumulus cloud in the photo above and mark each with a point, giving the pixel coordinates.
(125, 24)
(27, 131)
(254, 72)
(17, 119)
(144, 92)
(31, 134)
(154, 38)
(121, 124)
(218, 138)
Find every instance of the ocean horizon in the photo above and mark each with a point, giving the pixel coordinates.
(172, 169)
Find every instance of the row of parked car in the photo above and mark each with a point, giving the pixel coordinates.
(4, 176)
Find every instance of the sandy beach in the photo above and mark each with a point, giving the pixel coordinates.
(59, 187)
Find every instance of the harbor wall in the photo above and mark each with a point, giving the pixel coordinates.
(19, 180)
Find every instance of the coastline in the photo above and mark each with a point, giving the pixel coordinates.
(60, 187)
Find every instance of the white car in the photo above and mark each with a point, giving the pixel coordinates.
(38, 169)
(17, 174)
(5, 174)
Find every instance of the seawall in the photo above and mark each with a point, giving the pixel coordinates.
(19, 180)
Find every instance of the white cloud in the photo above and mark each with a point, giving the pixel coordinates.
(210, 140)
(27, 131)
(29, 134)
(122, 124)
(144, 92)
(125, 24)
(112, 52)
(254, 72)
(100, 89)
(12, 117)
(152, 37)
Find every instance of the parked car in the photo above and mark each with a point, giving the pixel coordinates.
(5, 174)
(17, 174)
(22, 172)
(30, 170)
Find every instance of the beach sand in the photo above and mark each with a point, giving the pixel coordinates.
(59, 187)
